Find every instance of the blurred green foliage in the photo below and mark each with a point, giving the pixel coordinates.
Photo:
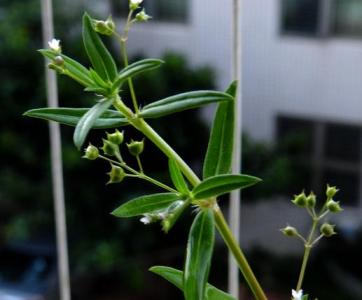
(96, 239)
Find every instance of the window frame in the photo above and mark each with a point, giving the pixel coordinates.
(325, 21)
(318, 159)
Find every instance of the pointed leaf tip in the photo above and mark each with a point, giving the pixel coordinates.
(181, 102)
(175, 277)
(145, 204)
(222, 184)
(218, 158)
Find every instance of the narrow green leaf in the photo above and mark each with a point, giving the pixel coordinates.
(145, 204)
(98, 80)
(98, 90)
(87, 121)
(170, 274)
(177, 177)
(77, 71)
(219, 153)
(222, 184)
(175, 277)
(182, 102)
(98, 54)
(198, 255)
(136, 69)
(71, 116)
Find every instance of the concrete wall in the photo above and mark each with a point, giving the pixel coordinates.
(311, 77)
(205, 38)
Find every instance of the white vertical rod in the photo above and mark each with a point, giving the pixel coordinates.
(56, 161)
(234, 212)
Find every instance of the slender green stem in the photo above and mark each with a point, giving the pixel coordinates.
(221, 224)
(154, 137)
(130, 82)
(123, 41)
(238, 255)
(139, 175)
(156, 182)
(139, 163)
(307, 248)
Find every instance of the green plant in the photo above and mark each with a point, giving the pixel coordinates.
(188, 190)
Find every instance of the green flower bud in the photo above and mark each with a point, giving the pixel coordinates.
(109, 148)
(91, 152)
(135, 147)
(116, 175)
(327, 230)
(300, 200)
(58, 60)
(311, 200)
(110, 23)
(104, 27)
(331, 191)
(333, 206)
(290, 231)
(56, 68)
(142, 16)
(115, 137)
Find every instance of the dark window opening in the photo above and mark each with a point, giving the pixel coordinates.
(329, 152)
(300, 16)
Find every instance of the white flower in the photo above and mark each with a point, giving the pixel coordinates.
(54, 45)
(297, 295)
(146, 219)
(135, 2)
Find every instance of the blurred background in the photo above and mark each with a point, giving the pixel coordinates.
(302, 121)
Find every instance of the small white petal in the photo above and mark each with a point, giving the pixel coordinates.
(54, 44)
(297, 295)
(145, 220)
(136, 2)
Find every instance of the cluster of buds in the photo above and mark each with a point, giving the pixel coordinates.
(304, 201)
(111, 147)
(309, 202)
(112, 142)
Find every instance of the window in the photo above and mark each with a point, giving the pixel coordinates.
(300, 16)
(348, 18)
(160, 10)
(322, 17)
(330, 151)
